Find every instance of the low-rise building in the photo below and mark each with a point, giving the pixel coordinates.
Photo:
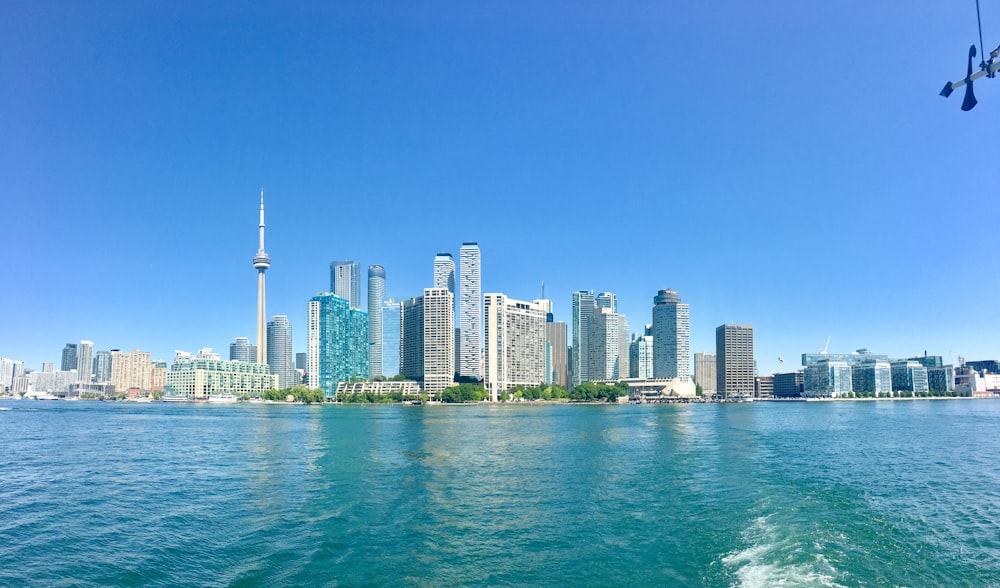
(201, 378)
(407, 388)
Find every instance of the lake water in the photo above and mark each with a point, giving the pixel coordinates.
(900, 493)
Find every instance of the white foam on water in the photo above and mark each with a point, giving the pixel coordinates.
(765, 562)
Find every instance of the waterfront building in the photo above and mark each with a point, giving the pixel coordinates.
(69, 357)
(439, 339)
(131, 372)
(671, 336)
(408, 389)
(705, 372)
(787, 385)
(470, 311)
(985, 366)
(941, 379)
(242, 350)
(411, 338)
(444, 272)
(345, 281)
(734, 360)
(909, 376)
(763, 387)
(872, 377)
(102, 368)
(9, 369)
(84, 361)
(555, 338)
(337, 342)
(583, 310)
(376, 293)
(390, 338)
(604, 346)
(159, 377)
(641, 355)
(515, 348)
(57, 383)
(856, 358)
(261, 263)
(929, 361)
(660, 389)
(198, 378)
(827, 378)
(279, 351)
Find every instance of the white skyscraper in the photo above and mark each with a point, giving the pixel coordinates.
(376, 292)
(84, 360)
(671, 336)
(470, 311)
(515, 344)
(444, 272)
(345, 281)
(439, 339)
(604, 352)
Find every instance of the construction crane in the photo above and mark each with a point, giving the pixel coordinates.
(986, 68)
(827, 346)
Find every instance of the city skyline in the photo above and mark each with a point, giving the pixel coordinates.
(776, 178)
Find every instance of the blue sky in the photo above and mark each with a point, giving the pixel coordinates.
(783, 164)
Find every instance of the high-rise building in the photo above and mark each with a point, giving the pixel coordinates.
(941, 378)
(131, 371)
(734, 360)
(470, 311)
(242, 350)
(671, 335)
(607, 300)
(641, 356)
(345, 281)
(411, 338)
(390, 338)
(261, 262)
(444, 272)
(376, 293)
(69, 357)
(102, 371)
(84, 360)
(872, 377)
(439, 339)
(9, 369)
(909, 376)
(583, 311)
(604, 347)
(302, 361)
(514, 344)
(555, 336)
(279, 351)
(337, 342)
(705, 372)
(828, 378)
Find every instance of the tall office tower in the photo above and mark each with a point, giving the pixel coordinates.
(444, 272)
(261, 262)
(337, 342)
(9, 369)
(84, 360)
(345, 281)
(131, 371)
(555, 336)
(242, 350)
(734, 362)
(583, 311)
(671, 336)
(624, 360)
(641, 356)
(302, 361)
(279, 351)
(102, 371)
(69, 357)
(411, 338)
(604, 352)
(376, 293)
(470, 311)
(439, 339)
(705, 373)
(390, 338)
(607, 300)
(514, 344)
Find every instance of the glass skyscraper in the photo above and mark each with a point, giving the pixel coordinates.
(390, 338)
(279, 351)
(337, 342)
(69, 357)
(583, 311)
(242, 350)
(345, 281)
(376, 293)
(671, 336)
(470, 311)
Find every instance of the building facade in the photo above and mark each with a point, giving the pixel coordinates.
(583, 306)
(470, 311)
(604, 347)
(390, 338)
(671, 336)
(337, 342)
(515, 347)
(69, 357)
(411, 338)
(345, 281)
(734, 360)
(241, 349)
(909, 376)
(200, 378)
(131, 372)
(84, 361)
(705, 372)
(555, 337)
(788, 385)
(872, 378)
(439, 339)
(828, 378)
(376, 294)
(444, 272)
(641, 356)
(280, 356)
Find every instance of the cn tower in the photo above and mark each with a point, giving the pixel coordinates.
(261, 262)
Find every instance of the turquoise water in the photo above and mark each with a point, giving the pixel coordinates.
(818, 494)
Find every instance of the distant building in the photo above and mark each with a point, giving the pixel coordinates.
(406, 388)
(102, 369)
(705, 372)
(555, 337)
(56, 383)
(390, 338)
(828, 378)
(941, 379)
(280, 356)
(302, 361)
(856, 358)
(201, 378)
(242, 350)
(439, 339)
(985, 366)
(131, 372)
(444, 272)
(763, 387)
(929, 361)
(641, 356)
(345, 281)
(605, 330)
(788, 385)
(734, 362)
(470, 311)
(69, 361)
(9, 369)
(671, 335)
(376, 293)
(660, 389)
(411, 338)
(872, 377)
(909, 376)
(515, 344)
(583, 311)
(337, 342)
(84, 360)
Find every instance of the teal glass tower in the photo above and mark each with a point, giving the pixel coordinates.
(338, 342)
